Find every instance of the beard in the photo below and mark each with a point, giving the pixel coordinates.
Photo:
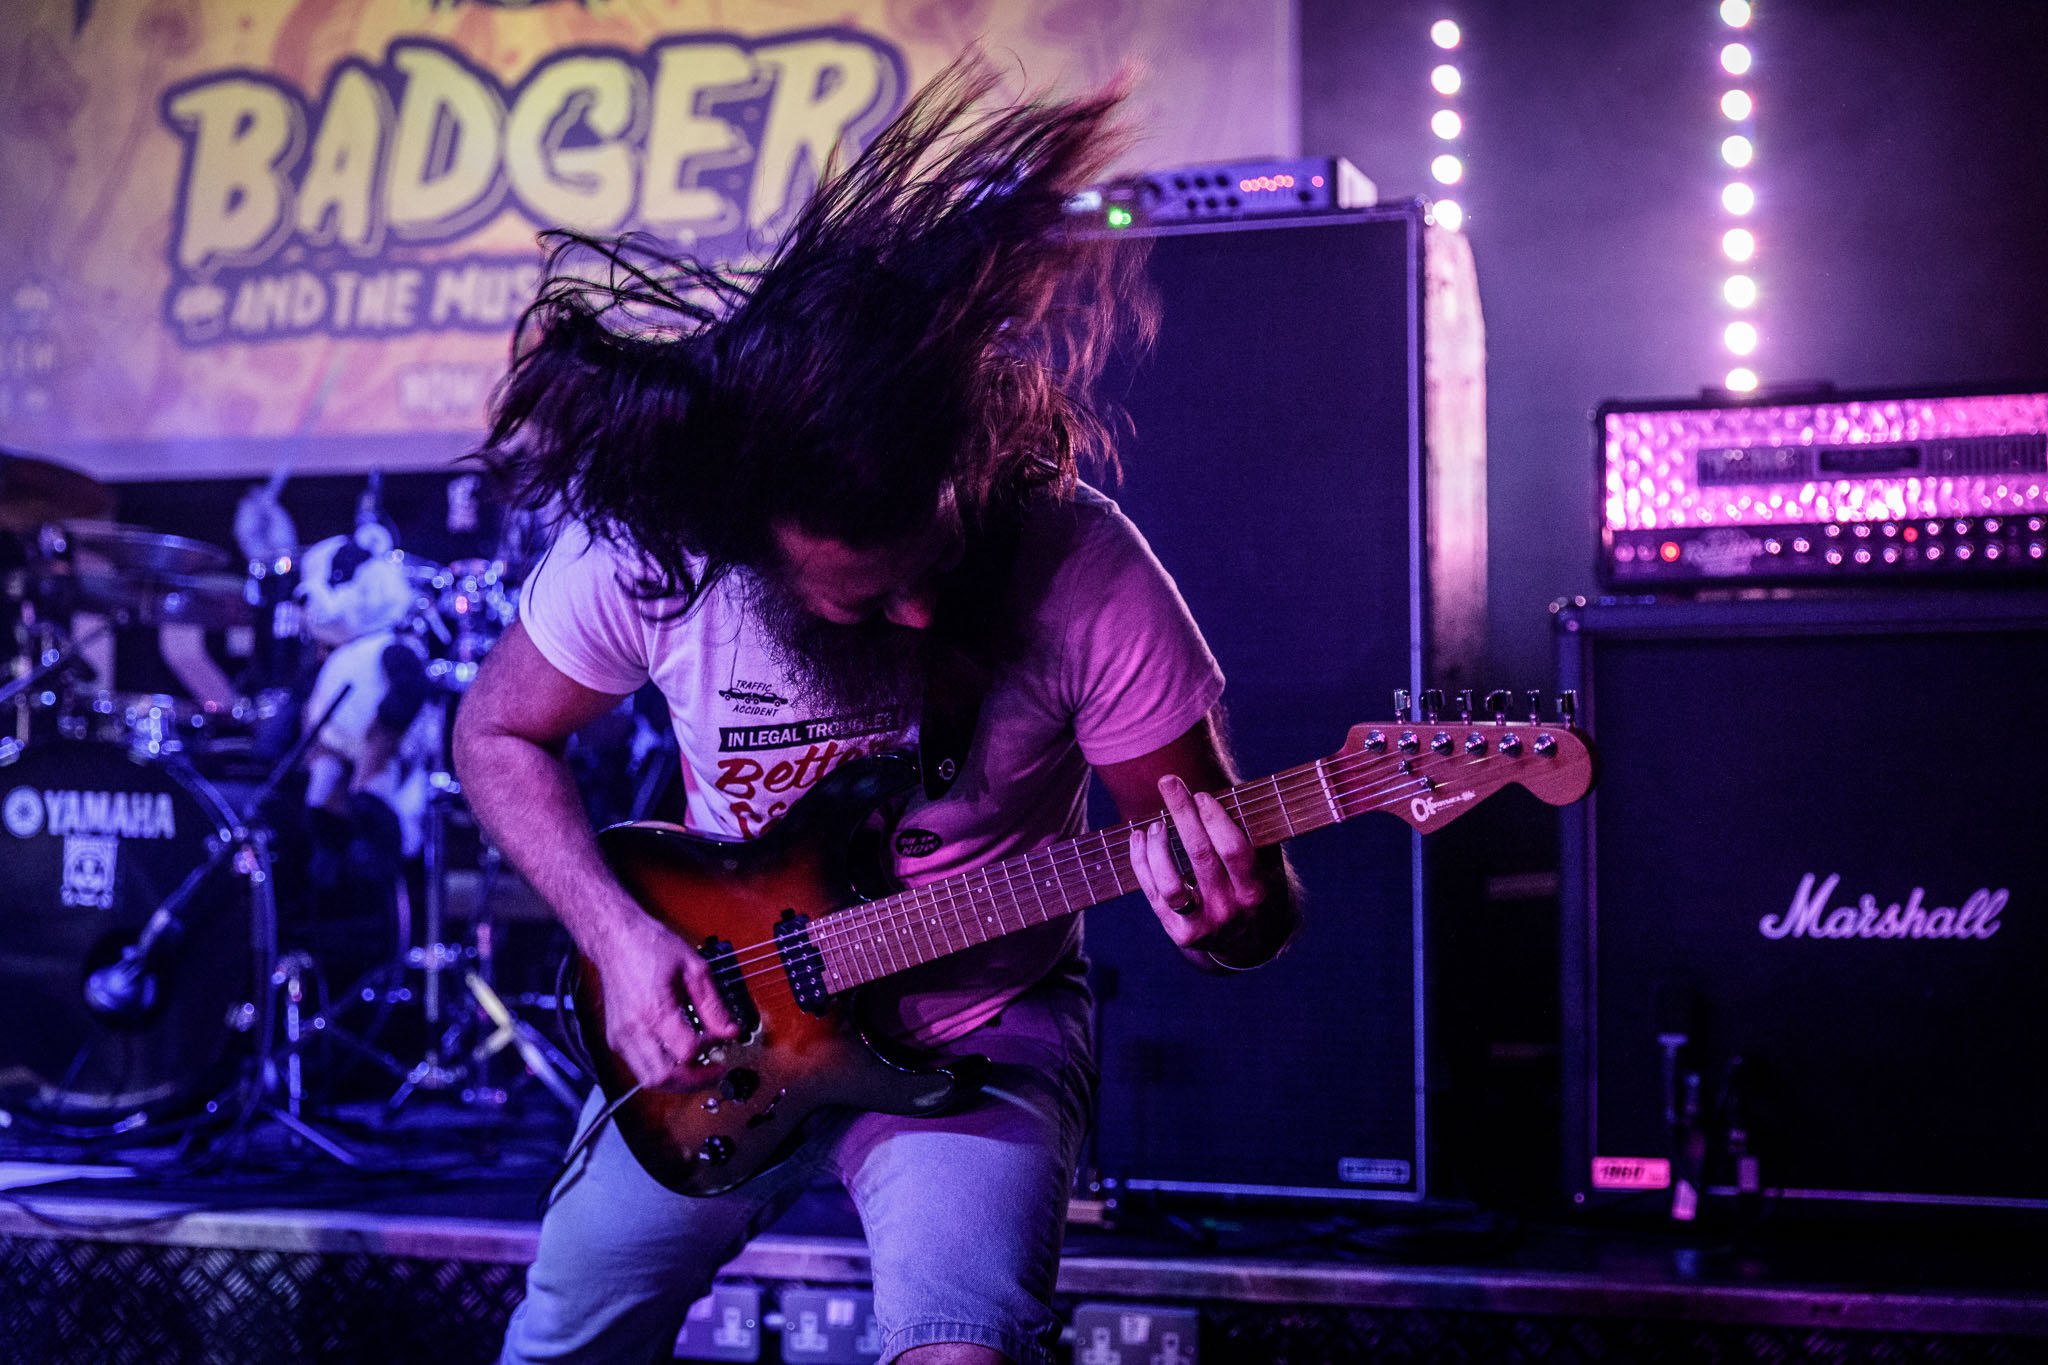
(869, 666)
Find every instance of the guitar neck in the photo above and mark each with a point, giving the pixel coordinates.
(879, 938)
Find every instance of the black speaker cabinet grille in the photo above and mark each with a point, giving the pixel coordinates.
(1813, 874)
(1322, 508)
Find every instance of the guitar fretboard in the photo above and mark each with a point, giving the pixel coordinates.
(864, 943)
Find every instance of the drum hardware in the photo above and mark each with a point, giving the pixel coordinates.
(125, 991)
(460, 1042)
(54, 660)
(288, 977)
(152, 1046)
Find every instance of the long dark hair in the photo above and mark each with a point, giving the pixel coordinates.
(923, 341)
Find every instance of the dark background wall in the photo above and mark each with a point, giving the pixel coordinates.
(1902, 176)
(1903, 222)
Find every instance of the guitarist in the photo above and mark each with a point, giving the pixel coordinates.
(816, 506)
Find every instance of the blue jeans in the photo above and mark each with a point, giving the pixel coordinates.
(963, 1212)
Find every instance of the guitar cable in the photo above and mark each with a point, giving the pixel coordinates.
(557, 1184)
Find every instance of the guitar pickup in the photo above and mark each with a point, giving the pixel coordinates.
(731, 978)
(802, 963)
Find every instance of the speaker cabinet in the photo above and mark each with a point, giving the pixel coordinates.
(1807, 904)
(1308, 462)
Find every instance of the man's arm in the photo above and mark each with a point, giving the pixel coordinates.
(1245, 906)
(510, 733)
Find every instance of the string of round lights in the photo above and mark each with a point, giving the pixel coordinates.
(1738, 196)
(1447, 167)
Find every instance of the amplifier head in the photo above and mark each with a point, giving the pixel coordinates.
(1825, 487)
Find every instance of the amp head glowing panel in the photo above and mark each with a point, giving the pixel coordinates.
(1840, 487)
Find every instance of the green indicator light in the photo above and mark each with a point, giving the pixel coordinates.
(1120, 217)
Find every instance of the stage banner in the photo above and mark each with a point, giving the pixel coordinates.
(240, 235)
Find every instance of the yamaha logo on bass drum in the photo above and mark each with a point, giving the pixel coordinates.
(63, 814)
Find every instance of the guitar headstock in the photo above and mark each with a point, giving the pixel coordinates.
(1434, 763)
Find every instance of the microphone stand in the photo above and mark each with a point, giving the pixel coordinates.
(125, 990)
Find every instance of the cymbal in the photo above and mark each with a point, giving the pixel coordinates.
(133, 549)
(34, 491)
(210, 601)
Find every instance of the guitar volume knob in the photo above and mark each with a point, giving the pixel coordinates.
(715, 1151)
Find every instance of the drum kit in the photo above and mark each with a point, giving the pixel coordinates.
(152, 973)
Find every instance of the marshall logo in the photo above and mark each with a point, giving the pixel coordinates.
(69, 814)
(1427, 807)
(1810, 917)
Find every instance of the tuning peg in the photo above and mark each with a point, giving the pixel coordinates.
(1465, 706)
(1567, 706)
(1497, 703)
(1432, 703)
(1535, 699)
(1403, 703)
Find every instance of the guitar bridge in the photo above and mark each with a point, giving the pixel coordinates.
(802, 963)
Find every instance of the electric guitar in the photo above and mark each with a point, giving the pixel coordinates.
(790, 936)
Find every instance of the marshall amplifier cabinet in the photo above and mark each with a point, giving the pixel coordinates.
(1850, 488)
(1806, 907)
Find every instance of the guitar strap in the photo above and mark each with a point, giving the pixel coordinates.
(953, 695)
(945, 733)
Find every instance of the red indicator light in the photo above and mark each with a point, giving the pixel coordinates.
(1910, 534)
(1668, 552)
(1317, 181)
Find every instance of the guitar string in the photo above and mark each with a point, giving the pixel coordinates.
(769, 985)
(1257, 804)
(902, 909)
(900, 913)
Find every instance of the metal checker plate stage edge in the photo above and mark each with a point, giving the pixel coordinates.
(1824, 488)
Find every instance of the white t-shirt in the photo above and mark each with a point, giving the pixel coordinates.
(1113, 667)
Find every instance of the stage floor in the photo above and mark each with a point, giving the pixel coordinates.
(263, 1247)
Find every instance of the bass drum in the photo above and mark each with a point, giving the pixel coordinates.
(93, 838)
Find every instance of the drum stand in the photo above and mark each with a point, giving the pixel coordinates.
(287, 979)
(280, 1086)
(462, 1039)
